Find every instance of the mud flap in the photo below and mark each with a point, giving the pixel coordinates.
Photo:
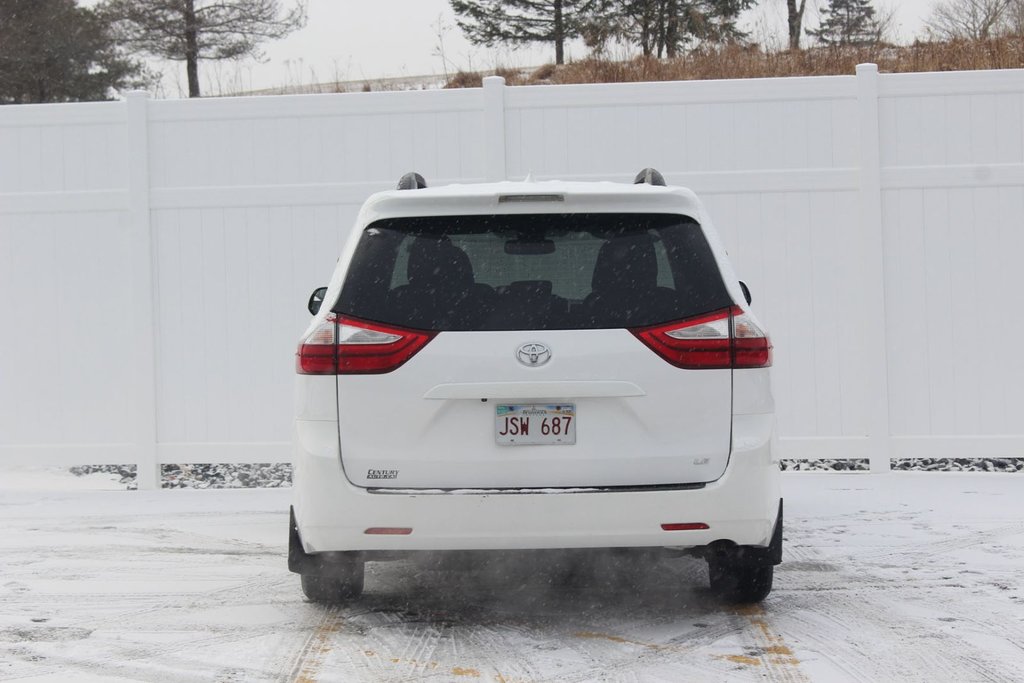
(769, 555)
(298, 561)
(775, 547)
(320, 564)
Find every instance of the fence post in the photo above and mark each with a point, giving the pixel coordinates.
(494, 128)
(874, 325)
(147, 471)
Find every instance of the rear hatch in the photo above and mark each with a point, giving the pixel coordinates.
(516, 351)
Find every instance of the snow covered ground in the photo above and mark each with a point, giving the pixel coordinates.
(907, 576)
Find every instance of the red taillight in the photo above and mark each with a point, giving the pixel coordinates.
(388, 531)
(346, 346)
(684, 526)
(317, 353)
(751, 347)
(727, 338)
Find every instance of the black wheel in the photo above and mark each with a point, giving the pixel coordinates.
(740, 580)
(343, 583)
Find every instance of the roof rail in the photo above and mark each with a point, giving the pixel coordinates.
(649, 176)
(411, 181)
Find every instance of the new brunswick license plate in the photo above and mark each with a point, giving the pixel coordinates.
(535, 424)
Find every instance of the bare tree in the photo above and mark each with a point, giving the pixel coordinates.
(191, 30)
(969, 19)
(1015, 18)
(795, 13)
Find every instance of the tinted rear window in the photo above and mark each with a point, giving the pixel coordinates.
(536, 272)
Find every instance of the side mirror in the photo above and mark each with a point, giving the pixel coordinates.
(316, 300)
(746, 291)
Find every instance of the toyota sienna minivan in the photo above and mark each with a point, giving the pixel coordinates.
(534, 365)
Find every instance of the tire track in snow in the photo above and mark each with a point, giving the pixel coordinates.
(161, 603)
(692, 648)
(309, 660)
(133, 658)
(964, 541)
(133, 665)
(470, 632)
(863, 610)
(421, 650)
(626, 656)
(414, 649)
(925, 653)
(961, 542)
(450, 640)
(769, 655)
(416, 660)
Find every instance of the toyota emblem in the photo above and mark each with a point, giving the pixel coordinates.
(533, 354)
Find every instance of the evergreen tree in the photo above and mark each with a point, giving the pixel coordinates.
(489, 22)
(664, 27)
(56, 51)
(848, 22)
(191, 30)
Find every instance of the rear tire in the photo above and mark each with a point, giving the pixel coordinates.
(740, 580)
(343, 584)
(329, 590)
(339, 578)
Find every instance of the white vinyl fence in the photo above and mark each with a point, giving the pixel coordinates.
(156, 256)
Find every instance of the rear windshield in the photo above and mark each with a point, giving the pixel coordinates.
(532, 272)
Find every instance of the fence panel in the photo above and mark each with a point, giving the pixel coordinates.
(65, 296)
(155, 256)
(953, 190)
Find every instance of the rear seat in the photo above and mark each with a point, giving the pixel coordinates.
(441, 287)
(625, 283)
(528, 304)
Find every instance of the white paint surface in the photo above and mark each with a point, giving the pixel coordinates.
(911, 577)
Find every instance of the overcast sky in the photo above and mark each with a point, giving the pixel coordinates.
(352, 40)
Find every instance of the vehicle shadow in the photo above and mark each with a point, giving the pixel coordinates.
(539, 585)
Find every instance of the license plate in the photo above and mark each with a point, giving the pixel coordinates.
(535, 424)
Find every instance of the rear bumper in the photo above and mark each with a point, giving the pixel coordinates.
(333, 515)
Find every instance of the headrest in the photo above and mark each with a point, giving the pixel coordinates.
(436, 261)
(626, 262)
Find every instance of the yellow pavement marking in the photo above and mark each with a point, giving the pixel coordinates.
(774, 654)
(459, 671)
(592, 635)
(307, 670)
(741, 659)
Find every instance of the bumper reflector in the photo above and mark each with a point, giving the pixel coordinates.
(684, 526)
(389, 530)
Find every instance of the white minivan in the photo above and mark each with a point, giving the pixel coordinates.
(530, 365)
